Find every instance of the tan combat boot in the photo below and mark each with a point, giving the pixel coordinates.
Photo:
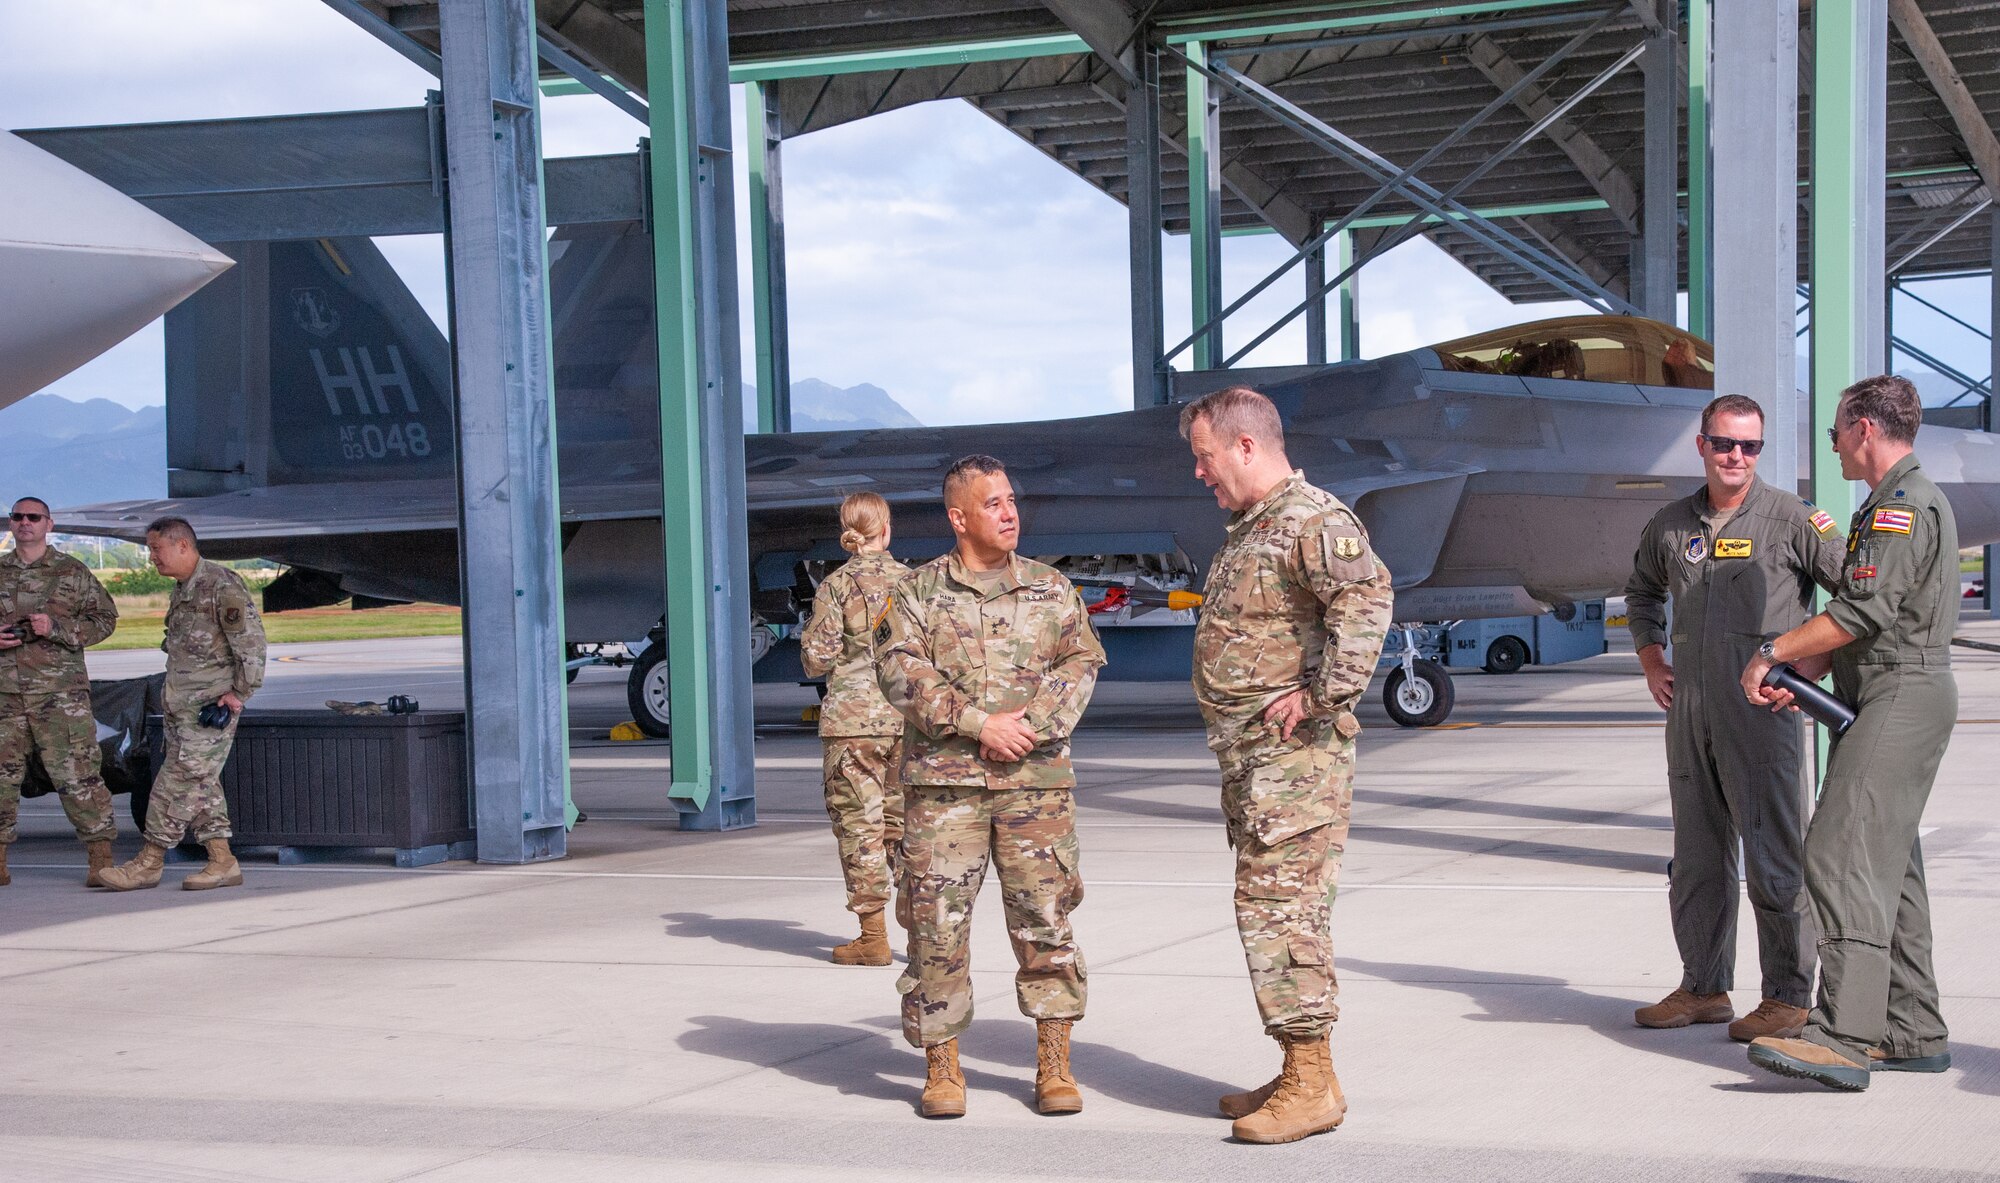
(1778, 1019)
(870, 948)
(99, 855)
(1235, 1105)
(1683, 1007)
(1307, 1100)
(221, 871)
(142, 871)
(1055, 1084)
(944, 1084)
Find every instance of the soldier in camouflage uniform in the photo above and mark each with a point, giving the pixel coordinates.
(61, 610)
(991, 657)
(215, 654)
(862, 733)
(1295, 610)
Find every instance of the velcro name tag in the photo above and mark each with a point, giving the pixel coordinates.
(1893, 521)
(1732, 548)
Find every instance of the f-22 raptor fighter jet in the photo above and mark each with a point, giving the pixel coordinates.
(310, 421)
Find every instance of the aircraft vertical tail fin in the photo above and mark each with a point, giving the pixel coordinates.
(309, 361)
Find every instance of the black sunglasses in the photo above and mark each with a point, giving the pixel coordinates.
(26, 517)
(1723, 444)
(1833, 433)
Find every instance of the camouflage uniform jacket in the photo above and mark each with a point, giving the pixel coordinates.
(215, 639)
(1295, 599)
(77, 606)
(949, 654)
(838, 645)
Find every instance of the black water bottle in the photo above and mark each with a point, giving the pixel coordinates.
(1820, 706)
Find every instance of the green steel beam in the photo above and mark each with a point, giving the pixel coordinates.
(1701, 217)
(913, 58)
(1350, 301)
(1843, 344)
(1312, 18)
(761, 310)
(681, 522)
(1204, 214)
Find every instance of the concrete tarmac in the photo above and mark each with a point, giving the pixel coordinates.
(659, 1005)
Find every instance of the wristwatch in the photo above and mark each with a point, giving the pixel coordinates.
(1768, 651)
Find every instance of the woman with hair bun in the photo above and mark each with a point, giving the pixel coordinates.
(862, 733)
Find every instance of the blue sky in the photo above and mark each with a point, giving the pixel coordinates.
(930, 252)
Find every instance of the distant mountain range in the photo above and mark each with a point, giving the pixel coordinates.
(822, 406)
(74, 453)
(79, 453)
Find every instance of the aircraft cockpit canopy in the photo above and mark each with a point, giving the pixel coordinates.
(1589, 349)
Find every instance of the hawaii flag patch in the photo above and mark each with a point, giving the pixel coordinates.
(1822, 521)
(1893, 521)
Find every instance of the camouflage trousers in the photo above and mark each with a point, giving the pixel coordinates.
(866, 805)
(61, 730)
(187, 789)
(1286, 806)
(949, 834)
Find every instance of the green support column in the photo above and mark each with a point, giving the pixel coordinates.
(767, 259)
(682, 522)
(1350, 302)
(1204, 208)
(1701, 222)
(1848, 336)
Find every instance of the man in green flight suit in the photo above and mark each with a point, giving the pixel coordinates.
(1887, 638)
(1739, 559)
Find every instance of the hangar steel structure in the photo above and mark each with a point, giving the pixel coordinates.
(1616, 152)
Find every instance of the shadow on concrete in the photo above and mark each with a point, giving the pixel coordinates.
(848, 1060)
(1099, 1068)
(788, 937)
(1527, 998)
(1978, 1068)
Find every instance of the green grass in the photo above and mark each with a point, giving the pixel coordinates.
(144, 628)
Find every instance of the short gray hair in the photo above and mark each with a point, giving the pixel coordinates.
(1237, 411)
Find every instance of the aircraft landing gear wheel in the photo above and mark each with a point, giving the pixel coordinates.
(571, 653)
(1421, 701)
(1506, 656)
(646, 692)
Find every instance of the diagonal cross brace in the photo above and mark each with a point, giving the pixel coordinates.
(1559, 273)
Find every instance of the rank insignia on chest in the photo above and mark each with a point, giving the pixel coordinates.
(1697, 549)
(1864, 573)
(1893, 521)
(1732, 548)
(1347, 548)
(1822, 521)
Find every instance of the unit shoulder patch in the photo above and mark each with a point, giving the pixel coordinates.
(1822, 521)
(1696, 549)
